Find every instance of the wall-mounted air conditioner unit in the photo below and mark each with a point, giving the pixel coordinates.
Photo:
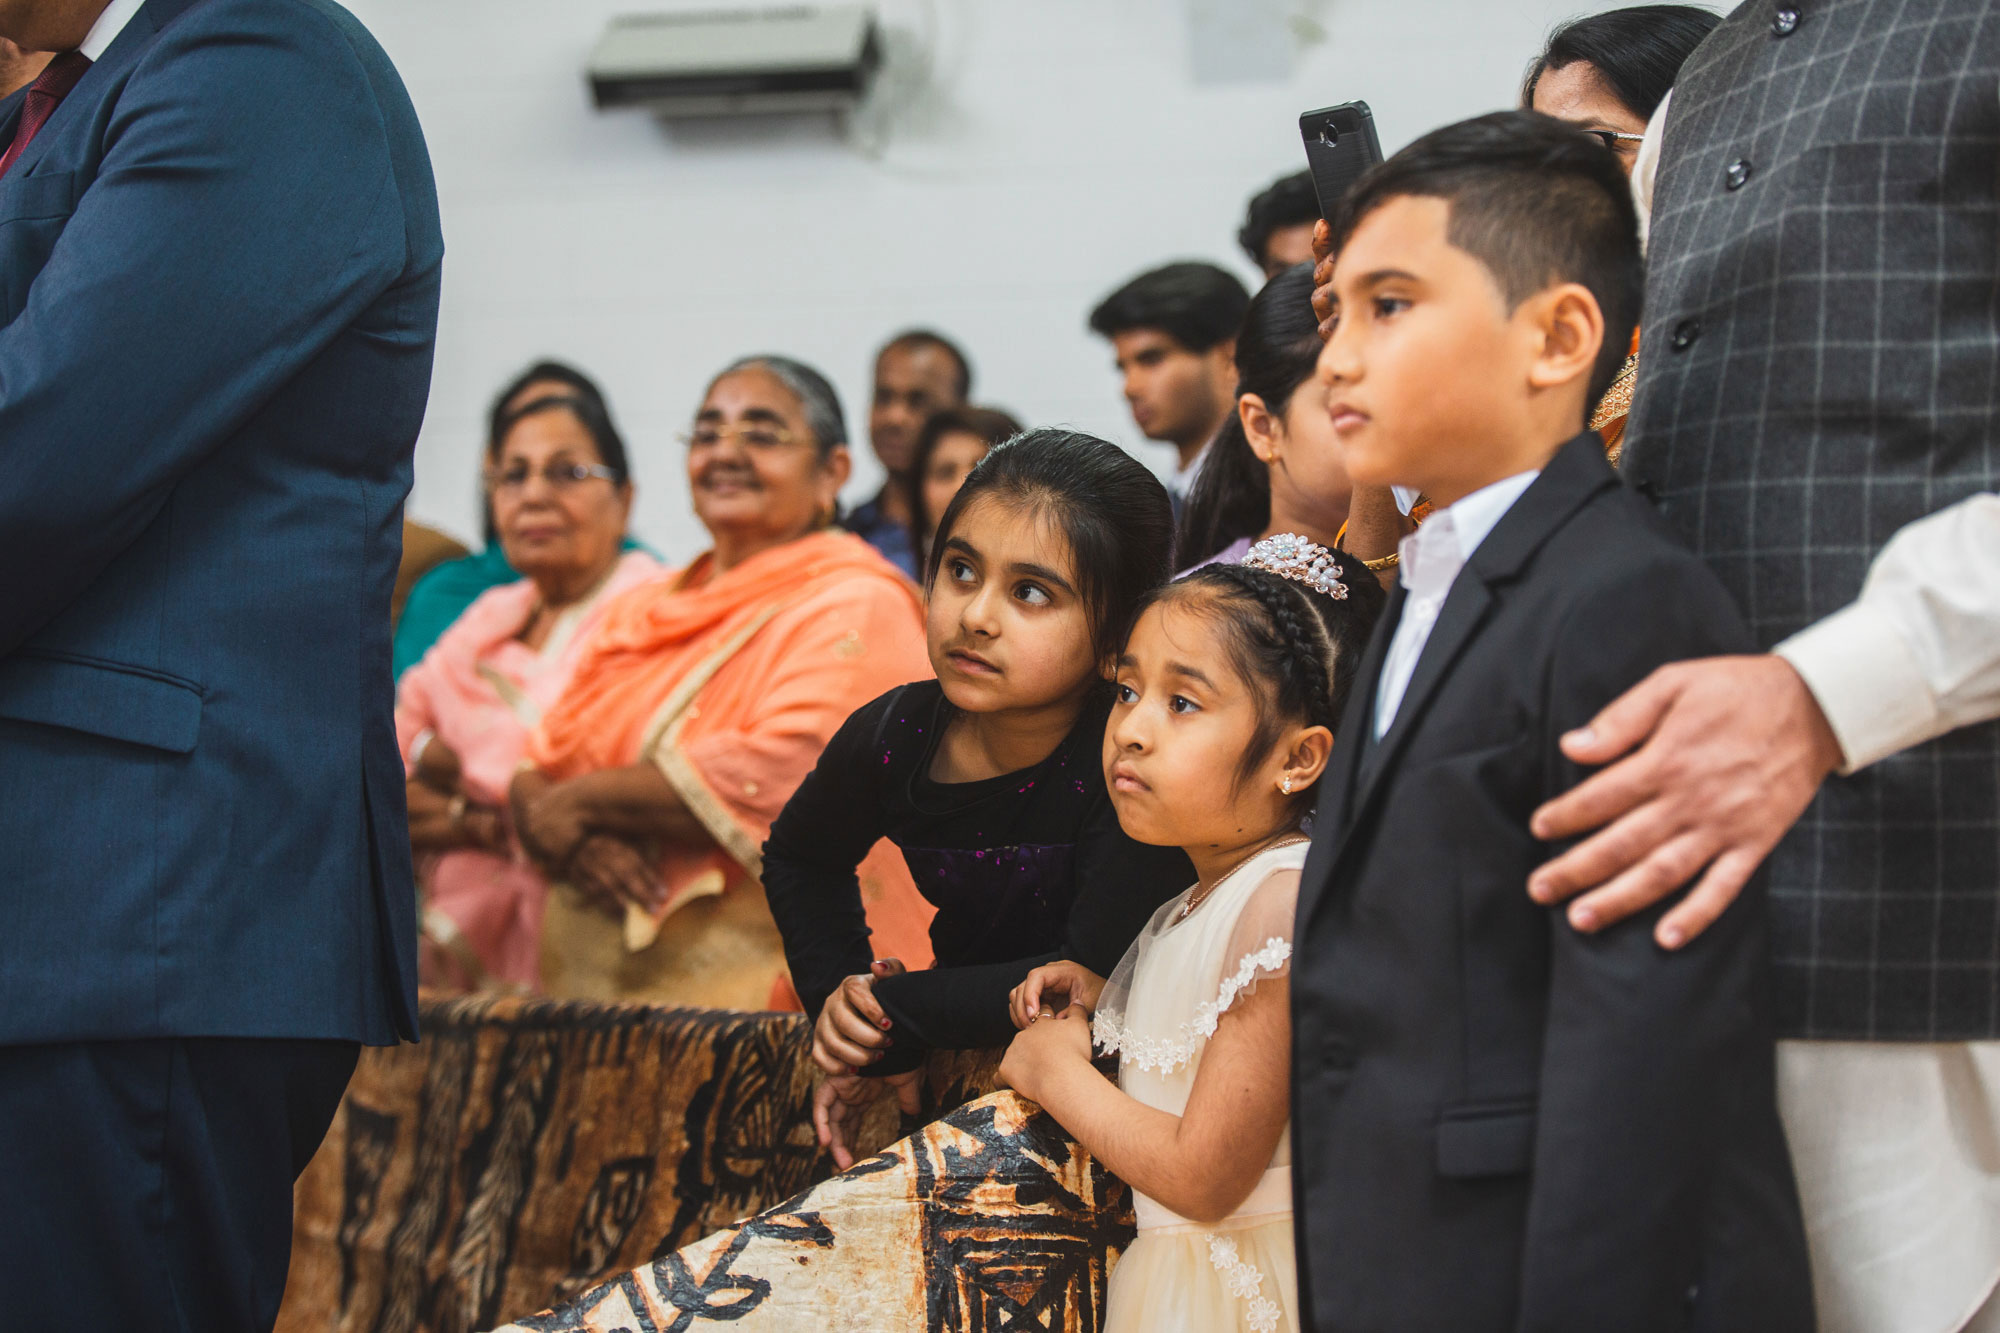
(718, 63)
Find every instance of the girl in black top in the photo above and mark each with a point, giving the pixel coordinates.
(989, 778)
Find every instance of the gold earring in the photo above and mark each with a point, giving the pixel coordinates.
(1285, 784)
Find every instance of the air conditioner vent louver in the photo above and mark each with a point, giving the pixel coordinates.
(736, 62)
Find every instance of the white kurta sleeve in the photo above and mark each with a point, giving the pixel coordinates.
(1917, 654)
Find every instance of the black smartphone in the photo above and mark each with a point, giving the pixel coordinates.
(1340, 146)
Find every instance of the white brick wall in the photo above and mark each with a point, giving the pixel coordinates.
(1062, 146)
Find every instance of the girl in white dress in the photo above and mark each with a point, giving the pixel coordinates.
(1229, 687)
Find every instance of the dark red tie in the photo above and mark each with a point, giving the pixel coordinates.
(44, 95)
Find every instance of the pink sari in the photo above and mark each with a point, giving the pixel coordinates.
(481, 691)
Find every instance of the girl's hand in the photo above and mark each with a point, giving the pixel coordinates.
(1036, 995)
(852, 1030)
(1043, 1047)
(839, 1103)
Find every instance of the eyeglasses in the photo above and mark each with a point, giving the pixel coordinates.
(560, 477)
(756, 435)
(1612, 138)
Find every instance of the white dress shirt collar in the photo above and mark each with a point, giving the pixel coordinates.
(1432, 557)
(109, 24)
(1475, 515)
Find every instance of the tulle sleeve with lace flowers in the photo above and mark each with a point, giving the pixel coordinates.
(1172, 988)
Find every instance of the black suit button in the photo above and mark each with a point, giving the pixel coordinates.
(1786, 23)
(1738, 174)
(1685, 333)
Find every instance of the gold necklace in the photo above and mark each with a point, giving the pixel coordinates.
(1196, 900)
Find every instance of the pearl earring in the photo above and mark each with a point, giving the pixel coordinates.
(1285, 784)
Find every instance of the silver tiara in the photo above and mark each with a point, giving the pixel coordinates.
(1291, 556)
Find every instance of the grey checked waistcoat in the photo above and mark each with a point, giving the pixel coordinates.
(1820, 365)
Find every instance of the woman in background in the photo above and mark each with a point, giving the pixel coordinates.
(439, 594)
(948, 447)
(701, 701)
(1275, 466)
(1608, 73)
(560, 490)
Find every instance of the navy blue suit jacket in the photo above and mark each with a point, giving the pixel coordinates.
(219, 269)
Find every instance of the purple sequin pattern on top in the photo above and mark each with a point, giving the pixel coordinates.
(1012, 901)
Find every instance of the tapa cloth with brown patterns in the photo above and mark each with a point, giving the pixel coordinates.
(990, 1219)
(529, 1148)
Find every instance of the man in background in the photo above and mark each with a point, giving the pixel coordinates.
(1174, 333)
(219, 278)
(917, 374)
(1278, 226)
(1817, 416)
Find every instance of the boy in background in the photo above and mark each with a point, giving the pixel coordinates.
(1173, 331)
(1500, 1123)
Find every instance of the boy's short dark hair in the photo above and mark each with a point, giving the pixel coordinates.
(1534, 199)
(1288, 201)
(1197, 305)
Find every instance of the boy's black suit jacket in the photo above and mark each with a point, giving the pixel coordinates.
(1500, 1123)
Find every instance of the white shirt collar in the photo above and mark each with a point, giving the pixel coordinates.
(1435, 552)
(1432, 557)
(1474, 515)
(109, 24)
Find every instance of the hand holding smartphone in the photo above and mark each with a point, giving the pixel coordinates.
(1340, 147)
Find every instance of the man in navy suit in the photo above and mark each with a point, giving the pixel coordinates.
(219, 264)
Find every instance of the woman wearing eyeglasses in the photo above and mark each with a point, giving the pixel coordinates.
(1608, 74)
(557, 479)
(701, 700)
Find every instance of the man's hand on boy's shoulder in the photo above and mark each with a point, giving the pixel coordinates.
(1714, 760)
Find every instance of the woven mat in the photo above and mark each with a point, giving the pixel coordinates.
(529, 1148)
(991, 1219)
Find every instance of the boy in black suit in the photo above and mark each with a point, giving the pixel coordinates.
(1500, 1123)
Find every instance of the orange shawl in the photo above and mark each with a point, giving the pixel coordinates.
(732, 684)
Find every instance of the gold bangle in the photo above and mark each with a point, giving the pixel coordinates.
(1389, 561)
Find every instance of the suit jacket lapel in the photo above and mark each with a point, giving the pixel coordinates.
(1355, 780)
(124, 51)
(1464, 611)
(1350, 750)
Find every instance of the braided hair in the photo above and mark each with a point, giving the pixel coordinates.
(1297, 649)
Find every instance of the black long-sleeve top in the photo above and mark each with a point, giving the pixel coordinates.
(1023, 869)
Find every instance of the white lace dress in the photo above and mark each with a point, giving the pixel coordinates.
(1157, 1012)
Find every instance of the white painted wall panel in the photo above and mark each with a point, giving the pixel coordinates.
(1057, 147)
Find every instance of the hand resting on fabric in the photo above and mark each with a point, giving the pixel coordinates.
(1037, 995)
(852, 1031)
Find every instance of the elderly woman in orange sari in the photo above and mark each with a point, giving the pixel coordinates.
(558, 480)
(700, 703)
